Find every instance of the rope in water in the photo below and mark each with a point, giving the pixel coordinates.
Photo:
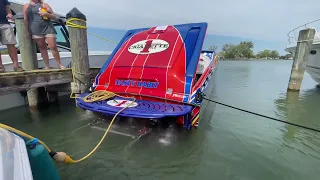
(257, 114)
(61, 156)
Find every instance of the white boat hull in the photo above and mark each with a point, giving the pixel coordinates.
(14, 159)
(313, 62)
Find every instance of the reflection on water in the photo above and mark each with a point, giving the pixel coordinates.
(228, 144)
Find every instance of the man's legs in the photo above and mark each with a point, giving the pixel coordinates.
(8, 38)
(12, 51)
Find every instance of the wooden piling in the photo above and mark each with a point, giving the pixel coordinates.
(28, 55)
(52, 96)
(79, 52)
(304, 44)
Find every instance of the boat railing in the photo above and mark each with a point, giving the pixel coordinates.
(294, 33)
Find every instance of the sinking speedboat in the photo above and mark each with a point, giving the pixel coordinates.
(164, 68)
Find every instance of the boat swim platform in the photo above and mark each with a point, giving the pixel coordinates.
(139, 108)
(55, 79)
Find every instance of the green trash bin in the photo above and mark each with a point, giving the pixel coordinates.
(42, 165)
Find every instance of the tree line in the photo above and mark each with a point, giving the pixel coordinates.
(244, 50)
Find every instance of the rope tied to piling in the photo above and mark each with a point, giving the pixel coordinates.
(70, 23)
(73, 25)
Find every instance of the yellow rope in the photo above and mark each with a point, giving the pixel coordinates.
(95, 96)
(92, 97)
(23, 134)
(70, 24)
(98, 95)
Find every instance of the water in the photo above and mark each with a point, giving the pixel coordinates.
(227, 145)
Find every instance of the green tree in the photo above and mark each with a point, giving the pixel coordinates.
(226, 47)
(213, 48)
(222, 55)
(246, 49)
(240, 51)
(274, 54)
(264, 54)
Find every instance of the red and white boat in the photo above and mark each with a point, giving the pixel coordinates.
(164, 68)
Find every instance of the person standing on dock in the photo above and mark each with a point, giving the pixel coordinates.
(37, 17)
(7, 36)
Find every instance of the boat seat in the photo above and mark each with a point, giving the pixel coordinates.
(140, 108)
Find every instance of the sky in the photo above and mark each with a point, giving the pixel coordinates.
(266, 22)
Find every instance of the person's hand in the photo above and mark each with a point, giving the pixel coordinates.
(10, 16)
(43, 13)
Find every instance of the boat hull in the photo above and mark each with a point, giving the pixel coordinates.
(313, 62)
(155, 110)
(15, 162)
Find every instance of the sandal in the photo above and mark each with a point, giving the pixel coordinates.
(2, 69)
(18, 69)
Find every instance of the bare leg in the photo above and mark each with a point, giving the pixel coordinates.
(43, 50)
(1, 65)
(53, 46)
(12, 51)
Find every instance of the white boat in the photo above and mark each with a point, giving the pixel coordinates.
(14, 160)
(96, 58)
(313, 62)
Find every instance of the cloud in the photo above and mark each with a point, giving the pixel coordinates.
(268, 20)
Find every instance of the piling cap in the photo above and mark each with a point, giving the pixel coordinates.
(19, 16)
(75, 13)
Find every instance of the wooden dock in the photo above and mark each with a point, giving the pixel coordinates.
(52, 79)
(77, 79)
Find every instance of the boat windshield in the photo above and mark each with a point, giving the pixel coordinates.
(62, 36)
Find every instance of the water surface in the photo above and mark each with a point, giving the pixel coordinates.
(228, 144)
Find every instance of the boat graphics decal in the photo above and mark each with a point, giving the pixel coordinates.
(148, 46)
(122, 103)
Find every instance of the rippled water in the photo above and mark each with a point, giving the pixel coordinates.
(228, 144)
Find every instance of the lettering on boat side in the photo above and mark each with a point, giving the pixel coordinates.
(149, 46)
(133, 83)
(178, 95)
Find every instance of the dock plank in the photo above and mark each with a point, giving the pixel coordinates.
(17, 81)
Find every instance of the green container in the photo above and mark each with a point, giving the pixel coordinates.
(42, 165)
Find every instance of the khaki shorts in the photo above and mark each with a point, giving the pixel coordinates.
(7, 35)
(43, 36)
